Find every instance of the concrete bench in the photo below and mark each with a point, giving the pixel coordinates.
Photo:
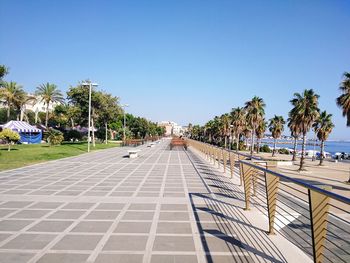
(133, 153)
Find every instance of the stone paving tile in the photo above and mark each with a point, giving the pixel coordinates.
(50, 226)
(13, 225)
(174, 216)
(173, 243)
(92, 226)
(29, 241)
(119, 258)
(133, 227)
(132, 215)
(103, 215)
(78, 242)
(175, 259)
(174, 228)
(15, 257)
(126, 243)
(63, 258)
(45, 205)
(66, 214)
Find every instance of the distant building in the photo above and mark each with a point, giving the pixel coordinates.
(171, 128)
(36, 105)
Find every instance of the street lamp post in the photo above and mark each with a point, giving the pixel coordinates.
(90, 84)
(124, 125)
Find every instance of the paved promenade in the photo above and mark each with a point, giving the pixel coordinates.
(163, 207)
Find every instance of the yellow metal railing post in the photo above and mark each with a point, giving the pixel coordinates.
(319, 205)
(218, 156)
(246, 173)
(232, 163)
(224, 159)
(272, 183)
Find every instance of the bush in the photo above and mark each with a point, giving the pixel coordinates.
(265, 148)
(72, 134)
(9, 137)
(55, 137)
(283, 151)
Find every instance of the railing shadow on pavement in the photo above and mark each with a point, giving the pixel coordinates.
(312, 217)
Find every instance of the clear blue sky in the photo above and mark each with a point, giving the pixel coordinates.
(183, 60)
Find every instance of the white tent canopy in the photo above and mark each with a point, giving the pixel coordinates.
(20, 126)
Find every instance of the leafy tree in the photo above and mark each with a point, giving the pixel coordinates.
(49, 93)
(109, 110)
(343, 101)
(305, 111)
(255, 112)
(12, 94)
(276, 126)
(323, 127)
(9, 137)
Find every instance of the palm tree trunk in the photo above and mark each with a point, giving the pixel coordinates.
(257, 145)
(225, 141)
(106, 133)
(274, 147)
(47, 115)
(322, 151)
(93, 132)
(252, 143)
(237, 143)
(301, 167)
(22, 114)
(8, 112)
(36, 116)
(294, 149)
(72, 122)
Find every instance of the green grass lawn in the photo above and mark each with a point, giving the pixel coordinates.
(24, 154)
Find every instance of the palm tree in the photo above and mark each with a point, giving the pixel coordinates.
(12, 93)
(343, 100)
(21, 103)
(255, 112)
(276, 127)
(209, 129)
(3, 71)
(49, 93)
(305, 111)
(294, 130)
(247, 132)
(225, 126)
(323, 127)
(260, 132)
(238, 116)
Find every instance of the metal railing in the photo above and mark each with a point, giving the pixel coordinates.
(311, 217)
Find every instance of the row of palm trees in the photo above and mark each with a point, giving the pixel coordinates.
(249, 122)
(14, 97)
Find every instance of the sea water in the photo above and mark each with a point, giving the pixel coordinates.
(330, 146)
